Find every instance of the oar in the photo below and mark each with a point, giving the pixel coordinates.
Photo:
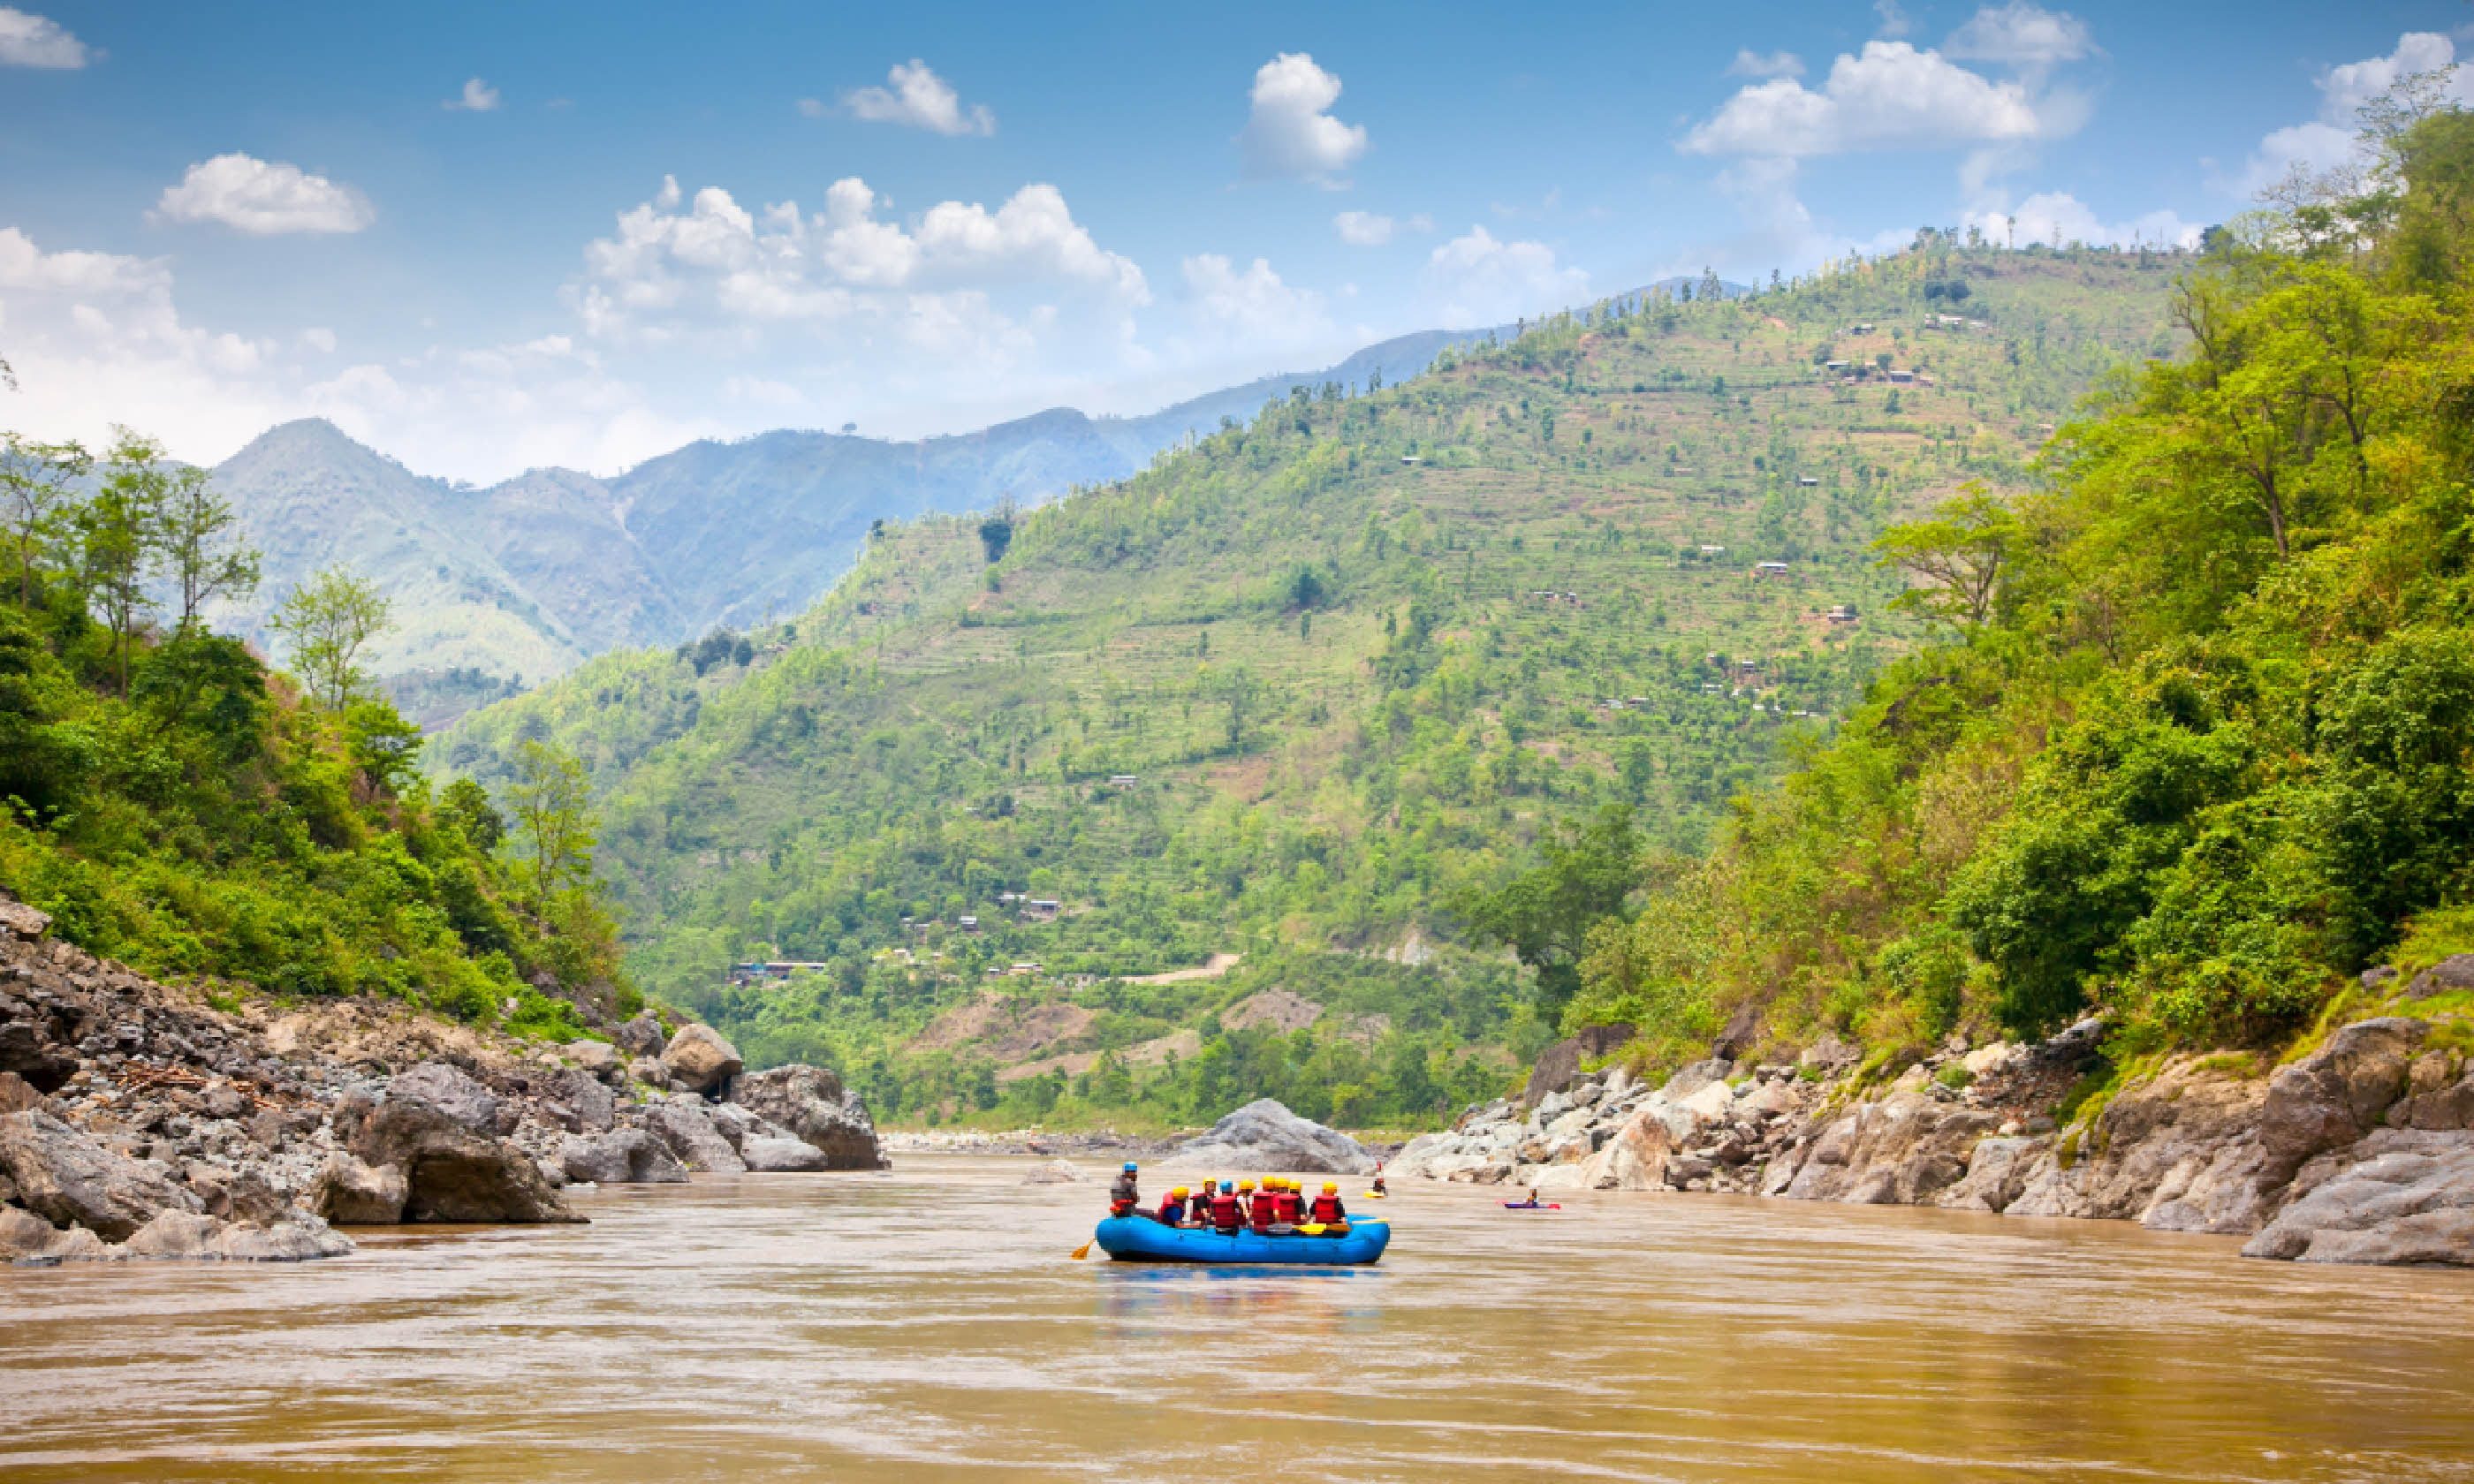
(1083, 1251)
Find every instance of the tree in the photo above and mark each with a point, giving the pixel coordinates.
(1960, 555)
(1544, 914)
(552, 804)
(38, 482)
(201, 547)
(330, 619)
(118, 533)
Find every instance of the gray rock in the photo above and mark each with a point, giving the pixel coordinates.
(680, 1124)
(641, 1037)
(197, 1237)
(17, 1094)
(1830, 1053)
(223, 1100)
(587, 1099)
(1056, 1172)
(1692, 1079)
(1558, 1064)
(769, 1155)
(622, 1157)
(1265, 1136)
(2398, 1205)
(28, 1238)
(447, 1087)
(2339, 1093)
(22, 923)
(2453, 972)
(452, 1171)
(812, 1104)
(65, 1177)
(698, 1057)
(352, 1195)
(597, 1057)
(649, 1071)
(238, 1195)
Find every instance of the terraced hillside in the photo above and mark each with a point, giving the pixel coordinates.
(1293, 690)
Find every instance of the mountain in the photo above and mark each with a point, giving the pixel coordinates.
(1303, 690)
(523, 580)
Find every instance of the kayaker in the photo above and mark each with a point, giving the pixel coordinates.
(1378, 1180)
(1227, 1215)
(1327, 1208)
(1123, 1196)
(1171, 1207)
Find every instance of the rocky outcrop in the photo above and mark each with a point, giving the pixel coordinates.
(773, 1155)
(454, 1172)
(1265, 1136)
(349, 1193)
(698, 1060)
(445, 1087)
(812, 1105)
(682, 1124)
(1559, 1066)
(65, 1177)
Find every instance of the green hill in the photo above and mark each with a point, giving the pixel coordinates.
(1295, 690)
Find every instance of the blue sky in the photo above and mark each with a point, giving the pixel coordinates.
(487, 237)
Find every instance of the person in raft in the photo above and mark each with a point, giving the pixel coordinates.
(1328, 1209)
(1123, 1196)
(1227, 1215)
(1171, 1209)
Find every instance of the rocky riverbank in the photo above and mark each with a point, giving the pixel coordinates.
(139, 1122)
(2361, 1151)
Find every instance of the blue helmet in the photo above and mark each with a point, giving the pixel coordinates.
(1130, 1166)
(1228, 1185)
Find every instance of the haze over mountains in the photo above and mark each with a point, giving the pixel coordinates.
(523, 580)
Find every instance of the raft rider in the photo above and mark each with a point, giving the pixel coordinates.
(1328, 1209)
(1171, 1209)
(1123, 1196)
(1227, 1215)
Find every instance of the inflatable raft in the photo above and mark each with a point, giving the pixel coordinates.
(1141, 1239)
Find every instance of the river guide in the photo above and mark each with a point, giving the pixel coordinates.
(1142, 1239)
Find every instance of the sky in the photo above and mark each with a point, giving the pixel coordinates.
(484, 238)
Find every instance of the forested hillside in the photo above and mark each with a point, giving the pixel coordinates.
(1311, 690)
(2191, 747)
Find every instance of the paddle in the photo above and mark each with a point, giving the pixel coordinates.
(1083, 1251)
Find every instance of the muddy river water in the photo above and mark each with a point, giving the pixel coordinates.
(927, 1324)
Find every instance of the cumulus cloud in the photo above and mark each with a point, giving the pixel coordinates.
(1254, 304)
(1476, 279)
(920, 99)
(1290, 133)
(253, 196)
(2059, 217)
(29, 41)
(2330, 142)
(2020, 35)
(1890, 96)
(1894, 17)
(1373, 230)
(1749, 63)
(479, 96)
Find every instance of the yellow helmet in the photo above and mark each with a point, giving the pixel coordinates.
(1331, 1188)
(1245, 1185)
(1178, 1192)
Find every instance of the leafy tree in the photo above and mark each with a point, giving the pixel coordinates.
(1958, 556)
(118, 533)
(1545, 913)
(201, 546)
(330, 620)
(551, 801)
(39, 484)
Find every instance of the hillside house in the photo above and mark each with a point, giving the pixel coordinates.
(1040, 909)
(1903, 376)
(1770, 569)
(968, 923)
(1842, 613)
(1122, 780)
(1806, 482)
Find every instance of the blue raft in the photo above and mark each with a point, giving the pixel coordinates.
(1141, 1239)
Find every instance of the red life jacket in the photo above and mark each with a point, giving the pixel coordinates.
(1289, 1206)
(1223, 1211)
(1172, 1212)
(1327, 1209)
(1267, 1209)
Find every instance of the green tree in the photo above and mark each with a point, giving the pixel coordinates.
(1958, 557)
(1544, 914)
(39, 484)
(330, 620)
(554, 825)
(202, 545)
(118, 534)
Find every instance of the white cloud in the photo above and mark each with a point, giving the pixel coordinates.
(812, 107)
(1363, 228)
(1749, 63)
(2329, 142)
(2020, 35)
(1894, 17)
(2058, 216)
(1289, 133)
(479, 96)
(320, 339)
(1476, 279)
(1889, 97)
(920, 99)
(38, 41)
(1253, 305)
(253, 196)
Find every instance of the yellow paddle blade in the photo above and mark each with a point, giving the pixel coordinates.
(1312, 1229)
(1083, 1251)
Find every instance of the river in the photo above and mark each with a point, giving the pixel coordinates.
(928, 1322)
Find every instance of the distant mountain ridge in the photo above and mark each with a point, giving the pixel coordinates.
(528, 578)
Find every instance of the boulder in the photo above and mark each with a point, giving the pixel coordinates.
(764, 1153)
(1056, 1172)
(26, 1237)
(1558, 1064)
(17, 1094)
(22, 923)
(622, 1157)
(812, 1104)
(1996, 1173)
(238, 1195)
(1635, 1157)
(352, 1195)
(196, 1237)
(641, 1037)
(698, 1057)
(2434, 1098)
(452, 1171)
(447, 1087)
(1904, 1150)
(1829, 1054)
(1265, 1136)
(680, 1124)
(27, 1050)
(2410, 1200)
(587, 1099)
(1692, 1078)
(646, 1070)
(2451, 973)
(598, 1057)
(65, 1177)
(2339, 1093)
